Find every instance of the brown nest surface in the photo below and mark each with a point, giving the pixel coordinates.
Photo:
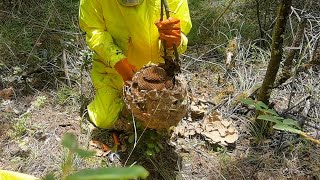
(158, 100)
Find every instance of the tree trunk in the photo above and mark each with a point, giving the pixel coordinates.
(276, 52)
(287, 64)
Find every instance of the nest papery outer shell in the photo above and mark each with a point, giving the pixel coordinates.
(158, 109)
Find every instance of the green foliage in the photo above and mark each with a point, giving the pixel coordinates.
(110, 173)
(150, 145)
(270, 115)
(39, 102)
(49, 177)
(20, 127)
(86, 58)
(153, 144)
(69, 141)
(236, 22)
(259, 106)
(33, 38)
(66, 95)
(282, 124)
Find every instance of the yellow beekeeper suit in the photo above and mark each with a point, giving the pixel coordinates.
(115, 32)
(11, 175)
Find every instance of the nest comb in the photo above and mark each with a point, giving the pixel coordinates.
(158, 100)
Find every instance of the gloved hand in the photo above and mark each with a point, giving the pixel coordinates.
(170, 31)
(125, 69)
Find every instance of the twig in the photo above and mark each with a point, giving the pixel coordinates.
(259, 21)
(224, 11)
(65, 66)
(299, 102)
(296, 43)
(305, 111)
(315, 47)
(296, 71)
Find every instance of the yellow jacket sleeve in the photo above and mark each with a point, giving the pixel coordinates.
(98, 38)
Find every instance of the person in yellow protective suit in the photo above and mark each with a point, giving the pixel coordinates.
(11, 175)
(125, 35)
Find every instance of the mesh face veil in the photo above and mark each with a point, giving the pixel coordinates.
(130, 2)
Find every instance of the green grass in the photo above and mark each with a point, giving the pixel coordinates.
(234, 23)
(32, 32)
(20, 127)
(67, 96)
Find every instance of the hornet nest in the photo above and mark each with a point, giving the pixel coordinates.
(157, 96)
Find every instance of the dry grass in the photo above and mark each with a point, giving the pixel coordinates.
(37, 150)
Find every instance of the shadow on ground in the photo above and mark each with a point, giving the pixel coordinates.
(164, 165)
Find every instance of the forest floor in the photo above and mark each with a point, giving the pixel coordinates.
(32, 126)
(45, 83)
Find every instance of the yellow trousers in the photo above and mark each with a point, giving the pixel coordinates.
(108, 101)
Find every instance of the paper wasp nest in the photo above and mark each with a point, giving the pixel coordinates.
(157, 99)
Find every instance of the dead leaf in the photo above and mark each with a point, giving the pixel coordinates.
(219, 130)
(99, 147)
(6, 93)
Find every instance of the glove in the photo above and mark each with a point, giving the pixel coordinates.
(170, 31)
(125, 69)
